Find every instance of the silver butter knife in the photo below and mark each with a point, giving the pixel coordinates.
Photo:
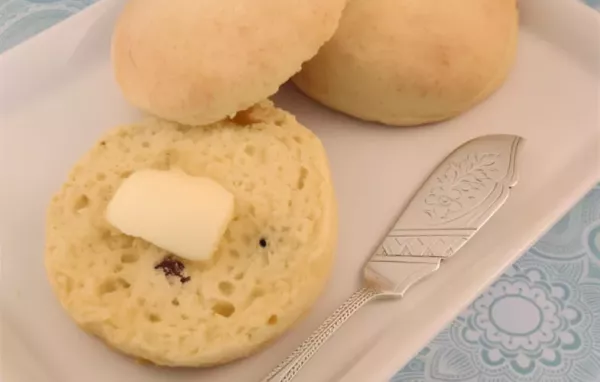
(457, 199)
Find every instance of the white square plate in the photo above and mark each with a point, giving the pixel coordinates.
(58, 95)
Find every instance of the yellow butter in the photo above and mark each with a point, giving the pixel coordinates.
(182, 214)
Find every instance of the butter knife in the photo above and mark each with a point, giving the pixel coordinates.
(457, 199)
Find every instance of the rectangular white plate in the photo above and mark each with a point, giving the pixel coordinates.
(57, 96)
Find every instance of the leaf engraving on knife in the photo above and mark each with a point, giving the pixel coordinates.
(461, 185)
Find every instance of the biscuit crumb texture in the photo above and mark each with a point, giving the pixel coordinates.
(268, 270)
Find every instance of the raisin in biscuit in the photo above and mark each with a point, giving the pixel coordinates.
(268, 270)
(411, 62)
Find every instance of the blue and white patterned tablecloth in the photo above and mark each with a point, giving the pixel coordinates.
(540, 322)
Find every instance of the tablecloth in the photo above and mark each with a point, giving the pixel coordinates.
(539, 322)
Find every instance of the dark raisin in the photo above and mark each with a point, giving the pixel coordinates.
(262, 243)
(173, 267)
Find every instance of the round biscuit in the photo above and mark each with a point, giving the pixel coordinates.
(199, 61)
(270, 266)
(412, 62)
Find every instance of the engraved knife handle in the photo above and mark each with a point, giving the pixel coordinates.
(287, 370)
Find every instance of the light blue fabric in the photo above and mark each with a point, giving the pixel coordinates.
(593, 3)
(540, 322)
(22, 19)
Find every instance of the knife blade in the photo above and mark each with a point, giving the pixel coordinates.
(451, 206)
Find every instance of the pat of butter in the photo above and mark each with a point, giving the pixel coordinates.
(182, 214)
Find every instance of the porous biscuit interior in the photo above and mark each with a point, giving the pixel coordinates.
(268, 270)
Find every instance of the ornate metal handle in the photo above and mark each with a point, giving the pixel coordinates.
(287, 370)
